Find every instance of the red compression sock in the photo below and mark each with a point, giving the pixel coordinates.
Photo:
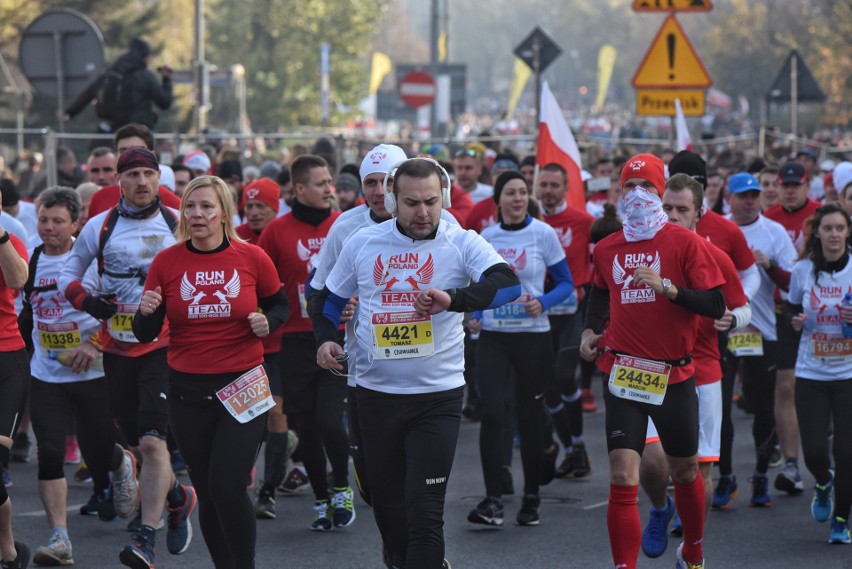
(625, 527)
(690, 505)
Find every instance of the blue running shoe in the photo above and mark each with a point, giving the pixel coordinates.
(179, 534)
(726, 490)
(822, 504)
(840, 531)
(760, 497)
(655, 538)
(140, 554)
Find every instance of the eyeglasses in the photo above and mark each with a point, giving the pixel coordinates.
(466, 152)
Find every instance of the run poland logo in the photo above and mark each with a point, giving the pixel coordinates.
(517, 259)
(827, 301)
(308, 251)
(417, 275)
(634, 261)
(190, 293)
(48, 306)
(566, 236)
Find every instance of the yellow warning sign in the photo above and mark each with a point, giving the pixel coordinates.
(671, 61)
(672, 5)
(661, 102)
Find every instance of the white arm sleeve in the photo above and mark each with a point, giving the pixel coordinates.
(750, 279)
(742, 315)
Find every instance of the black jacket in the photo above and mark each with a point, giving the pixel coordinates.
(145, 90)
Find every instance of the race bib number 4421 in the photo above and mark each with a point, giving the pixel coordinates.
(399, 335)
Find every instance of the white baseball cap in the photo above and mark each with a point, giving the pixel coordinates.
(381, 159)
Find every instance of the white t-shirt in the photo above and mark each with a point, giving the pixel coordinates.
(529, 251)
(481, 192)
(771, 238)
(28, 217)
(128, 253)
(397, 352)
(822, 303)
(13, 226)
(58, 328)
(343, 228)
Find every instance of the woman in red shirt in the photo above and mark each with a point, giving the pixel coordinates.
(210, 285)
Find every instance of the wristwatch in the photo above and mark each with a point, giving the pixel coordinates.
(667, 284)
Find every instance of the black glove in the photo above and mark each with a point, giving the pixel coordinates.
(101, 307)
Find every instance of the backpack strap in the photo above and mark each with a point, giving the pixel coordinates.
(28, 286)
(106, 230)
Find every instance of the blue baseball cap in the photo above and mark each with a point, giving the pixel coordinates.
(742, 183)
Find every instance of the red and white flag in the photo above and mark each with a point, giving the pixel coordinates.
(684, 142)
(556, 144)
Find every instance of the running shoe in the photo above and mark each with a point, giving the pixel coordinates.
(82, 474)
(528, 514)
(776, 459)
(90, 508)
(655, 538)
(179, 534)
(548, 465)
(21, 561)
(677, 527)
(581, 467)
(72, 450)
(822, 503)
(343, 507)
(125, 490)
(681, 564)
(726, 490)
(7, 478)
(321, 520)
(839, 531)
(264, 507)
(140, 554)
(178, 463)
(760, 497)
(507, 483)
(446, 565)
(296, 482)
(589, 405)
(788, 480)
(489, 512)
(55, 553)
(21, 447)
(106, 506)
(566, 467)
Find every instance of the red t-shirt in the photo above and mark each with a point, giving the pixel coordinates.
(727, 236)
(708, 368)
(642, 323)
(793, 221)
(292, 244)
(247, 233)
(462, 204)
(481, 216)
(573, 228)
(10, 335)
(108, 197)
(208, 298)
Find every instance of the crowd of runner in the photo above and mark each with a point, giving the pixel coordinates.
(161, 318)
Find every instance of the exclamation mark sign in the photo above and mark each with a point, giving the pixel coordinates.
(670, 41)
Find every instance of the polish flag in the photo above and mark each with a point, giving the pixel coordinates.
(557, 144)
(684, 142)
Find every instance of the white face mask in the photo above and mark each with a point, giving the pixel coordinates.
(644, 215)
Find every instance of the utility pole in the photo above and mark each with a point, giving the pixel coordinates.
(433, 63)
(201, 75)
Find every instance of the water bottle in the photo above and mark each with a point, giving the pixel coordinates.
(846, 326)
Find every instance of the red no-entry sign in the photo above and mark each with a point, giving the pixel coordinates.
(417, 89)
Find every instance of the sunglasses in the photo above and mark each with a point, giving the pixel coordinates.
(466, 152)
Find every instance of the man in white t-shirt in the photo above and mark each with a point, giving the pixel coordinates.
(775, 255)
(413, 278)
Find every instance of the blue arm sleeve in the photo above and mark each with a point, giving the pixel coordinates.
(333, 308)
(561, 275)
(308, 289)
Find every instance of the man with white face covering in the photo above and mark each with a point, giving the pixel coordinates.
(652, 281)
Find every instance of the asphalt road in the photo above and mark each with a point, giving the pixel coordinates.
(572, 533)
